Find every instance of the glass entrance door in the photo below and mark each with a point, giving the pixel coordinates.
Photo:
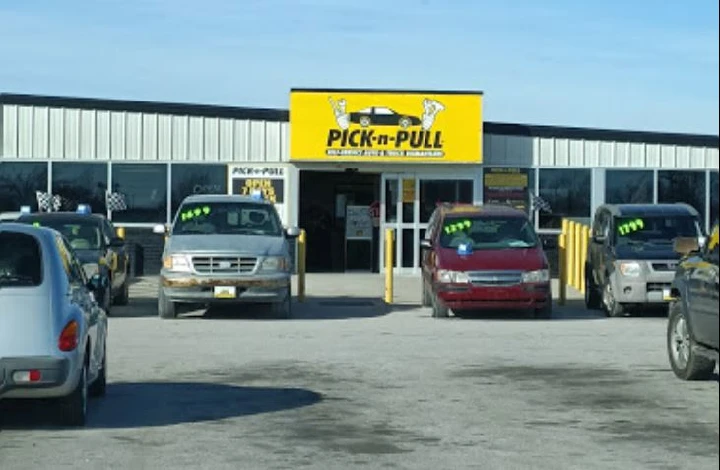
(407, 201)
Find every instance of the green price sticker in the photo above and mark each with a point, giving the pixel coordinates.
(194, 213)
(456, 226)
(631, 226)
(36, 224)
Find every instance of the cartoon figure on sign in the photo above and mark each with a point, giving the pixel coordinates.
(432, 108)
(341, 116)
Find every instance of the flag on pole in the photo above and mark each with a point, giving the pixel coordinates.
(540, 204)
(115, 202)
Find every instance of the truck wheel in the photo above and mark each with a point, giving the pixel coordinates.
(426, 300)
(592, 296)
(439, 309)
(685, 362)
(612, 307)
(123, 298)
(283, 309)
(166, 308)
(73, 408)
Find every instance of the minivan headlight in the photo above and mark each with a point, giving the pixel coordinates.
(177, 263)
(630, 269)
(540, 275)
(274, 264)
(452, 277)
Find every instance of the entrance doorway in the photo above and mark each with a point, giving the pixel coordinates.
(407, 202)
(330, 204)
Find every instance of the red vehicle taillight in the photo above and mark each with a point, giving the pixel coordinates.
(68, 339)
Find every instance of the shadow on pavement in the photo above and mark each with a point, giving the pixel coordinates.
(572, 310)
(150, 404)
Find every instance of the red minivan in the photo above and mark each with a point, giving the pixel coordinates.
(484, 257)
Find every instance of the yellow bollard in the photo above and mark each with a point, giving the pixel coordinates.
(562, 265)
(389, 264)
(120, 231)
(578, 255)
(301, 247)
(583, 254)
(570, 253)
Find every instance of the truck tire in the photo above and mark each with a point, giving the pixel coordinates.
(283, 309)
(166, 308)
(685, 362)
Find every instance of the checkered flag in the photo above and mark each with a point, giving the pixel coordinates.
(56, 202)
(44, 201)
(540, 204)
(115, 202)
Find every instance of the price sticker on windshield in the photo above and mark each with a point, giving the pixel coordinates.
(190, 214)
(631, 226)
(457, 226)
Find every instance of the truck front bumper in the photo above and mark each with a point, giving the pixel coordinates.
(649, 289)
(189, 288)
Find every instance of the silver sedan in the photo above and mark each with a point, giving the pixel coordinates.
(52, 331)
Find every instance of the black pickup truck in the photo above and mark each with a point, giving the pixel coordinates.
(692, 331)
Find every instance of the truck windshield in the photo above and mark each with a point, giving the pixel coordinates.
(488, 232)
(227, 218)
(82, 234)
(655, 229)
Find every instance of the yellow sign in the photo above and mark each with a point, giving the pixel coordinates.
(385, 126)
(408, 193)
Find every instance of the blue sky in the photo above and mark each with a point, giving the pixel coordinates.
(636, 64)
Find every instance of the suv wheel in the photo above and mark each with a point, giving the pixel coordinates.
(592, 296)
(685, 362)
(612, 307)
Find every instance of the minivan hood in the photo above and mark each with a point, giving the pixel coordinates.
(25, 322)
(511, 259)
(244, 244)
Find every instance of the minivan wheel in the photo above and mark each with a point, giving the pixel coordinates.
(684, 361)
(612, 307)
(545, 312)
(439, 309)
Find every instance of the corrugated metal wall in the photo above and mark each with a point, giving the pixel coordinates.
(559, 153)
(31, 132)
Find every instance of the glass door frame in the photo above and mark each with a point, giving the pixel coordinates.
(474, 175)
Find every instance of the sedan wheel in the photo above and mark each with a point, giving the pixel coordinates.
(74, 407)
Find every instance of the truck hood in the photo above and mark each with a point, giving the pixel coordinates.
(25, 323)
(646, 251)
(243, 244)
(511, 259)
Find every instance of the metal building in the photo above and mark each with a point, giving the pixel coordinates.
(157, 153)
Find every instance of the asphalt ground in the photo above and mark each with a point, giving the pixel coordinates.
(349, 383)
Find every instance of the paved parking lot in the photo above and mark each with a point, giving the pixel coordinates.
(350, 384)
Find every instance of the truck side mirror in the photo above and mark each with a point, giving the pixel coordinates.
(160, 229)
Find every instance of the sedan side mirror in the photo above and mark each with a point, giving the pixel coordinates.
(686, 245)
(292, 232)
(426, 244)
(160, 229)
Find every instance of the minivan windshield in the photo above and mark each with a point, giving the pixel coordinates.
(488, 232)
(20, 260)
(655, 229)
(227, 218)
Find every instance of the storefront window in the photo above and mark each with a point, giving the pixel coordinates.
(391, 199)
(568, 193)
(433, 192)
(682, 186)
(18, 184)
(714, 209)
(509, 186)
(629, 187)
(189, 179)
(144, 187)
(80, 183)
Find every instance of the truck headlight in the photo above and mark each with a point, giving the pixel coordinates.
(452, 277)
(177, 263)
(540, 275)
(630, 269)
(274, 264)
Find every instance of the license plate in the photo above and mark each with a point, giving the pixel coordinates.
(225, 292)
(666, 295)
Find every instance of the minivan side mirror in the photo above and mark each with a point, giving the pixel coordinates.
(686, 245)
(426, 243)
(160, 229)
(292, 232)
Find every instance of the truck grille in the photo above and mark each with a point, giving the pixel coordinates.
(223, 264)
(664, 266)
(495, 278)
